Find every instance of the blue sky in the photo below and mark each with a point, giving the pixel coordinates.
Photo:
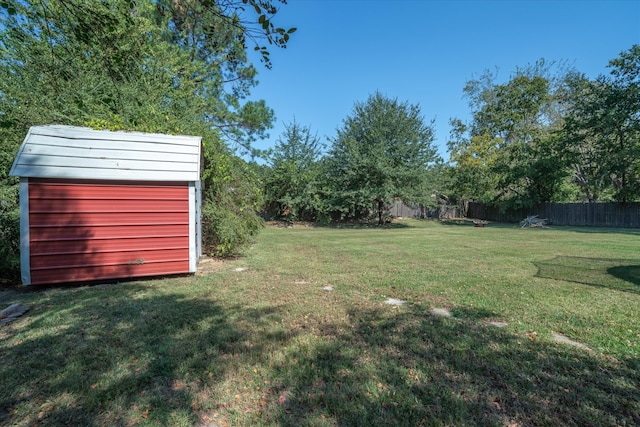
(424, 51)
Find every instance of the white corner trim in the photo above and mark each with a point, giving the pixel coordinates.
(25, 248)
(193, 257)
(198, 219)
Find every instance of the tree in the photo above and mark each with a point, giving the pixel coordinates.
(381, 152)
(473, 160)
(509, 152)
(173, 63)
(585, 157)
(433, 188)
(602, 129)
(291, 185)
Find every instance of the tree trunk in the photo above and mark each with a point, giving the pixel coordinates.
(380, 209)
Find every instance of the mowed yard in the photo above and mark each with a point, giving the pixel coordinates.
(298, 332)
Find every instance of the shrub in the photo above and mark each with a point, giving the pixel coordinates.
(231, 198)
(226, 233)
(9, 235)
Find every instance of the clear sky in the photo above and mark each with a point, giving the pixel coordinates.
(424, 51)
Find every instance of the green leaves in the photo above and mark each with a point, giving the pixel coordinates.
(11, 10)
(276, 36)
(551, 137)
(382, 152)
(292, 184)
(505, 154)
(603, 130)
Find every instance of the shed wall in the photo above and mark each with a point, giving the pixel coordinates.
(80, 230)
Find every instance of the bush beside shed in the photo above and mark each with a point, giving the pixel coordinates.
(98, 205)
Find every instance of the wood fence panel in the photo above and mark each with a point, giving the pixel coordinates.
(618, 215)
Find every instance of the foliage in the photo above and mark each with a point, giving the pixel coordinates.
(230, 204)
(473, 159)
(432, 189)
(544, 137)
(382, 152)
(153, 66)
(292, 183)
(509, 153)
(9, 234)
(603, 130)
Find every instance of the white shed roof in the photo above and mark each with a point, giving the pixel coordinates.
(71, 152)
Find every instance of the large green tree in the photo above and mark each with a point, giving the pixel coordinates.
(509, 152)
(161, 64)
(602, 132)
(382, 152)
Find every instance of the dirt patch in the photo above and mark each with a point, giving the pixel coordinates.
(207, 265)
(290, 224)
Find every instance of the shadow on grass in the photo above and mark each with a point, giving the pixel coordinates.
(139, 355)
(628, 273)
(410, 368)
(596, 230)
(616, 274)
(123, 355)
(346, 225)
(587, 230)
(368, 225)
(461, 222)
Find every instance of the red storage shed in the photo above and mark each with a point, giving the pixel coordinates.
(98, 205)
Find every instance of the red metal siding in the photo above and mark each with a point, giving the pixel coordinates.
(95, 230)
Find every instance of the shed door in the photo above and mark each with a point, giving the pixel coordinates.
(95, 230)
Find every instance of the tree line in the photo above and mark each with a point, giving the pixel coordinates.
(548, 134)
(384, 151)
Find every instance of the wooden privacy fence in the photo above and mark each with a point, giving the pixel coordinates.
(402, 210)
(621, 215)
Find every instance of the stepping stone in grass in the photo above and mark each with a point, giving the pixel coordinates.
(497, 324)
(394, 301)
(557, 337)
(12, 312)
(440, 312)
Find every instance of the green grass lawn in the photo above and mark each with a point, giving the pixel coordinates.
(270, 345)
